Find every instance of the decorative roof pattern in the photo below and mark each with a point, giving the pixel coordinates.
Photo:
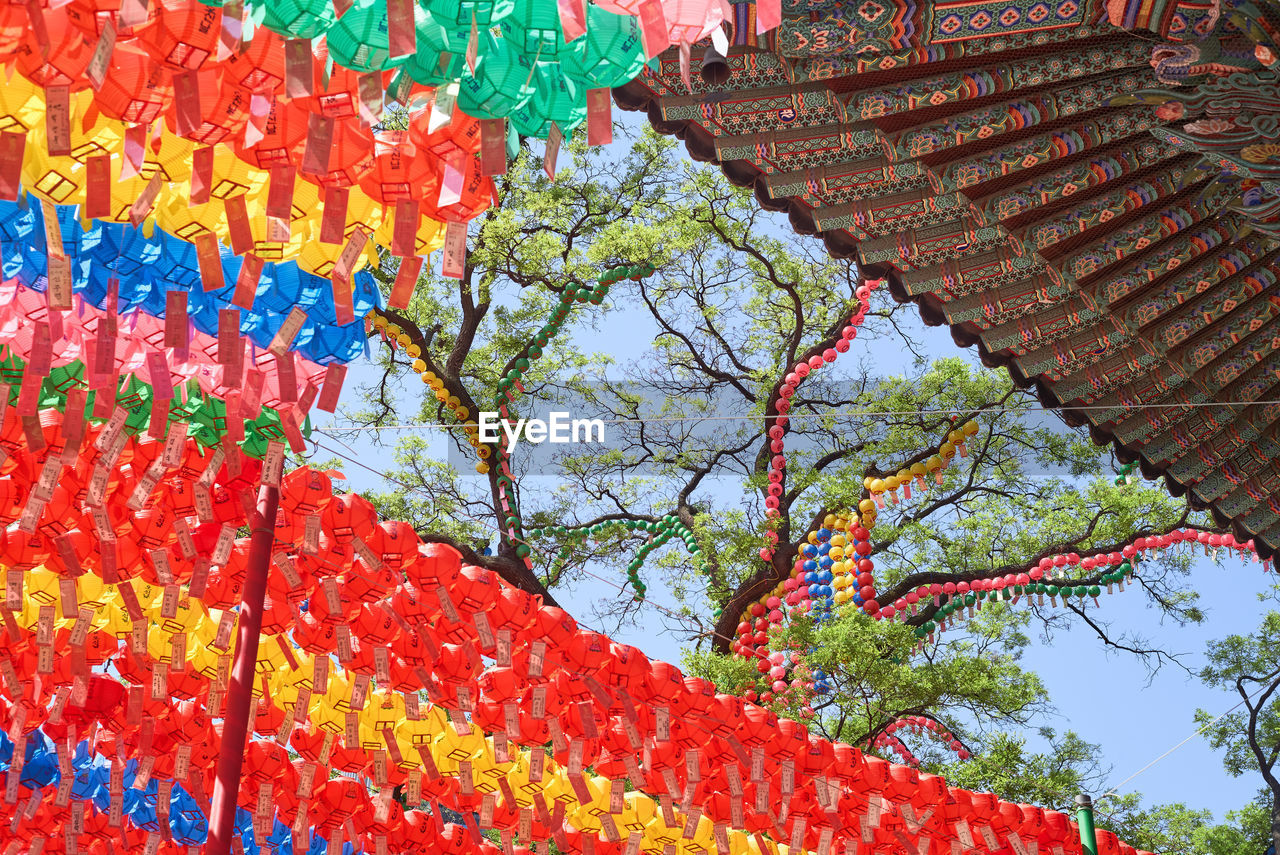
(1087, 191)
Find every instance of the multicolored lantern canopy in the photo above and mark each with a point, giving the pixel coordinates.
(387, 672)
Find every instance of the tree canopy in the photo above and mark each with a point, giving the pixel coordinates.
(676, 499)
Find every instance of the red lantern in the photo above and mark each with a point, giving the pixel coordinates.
(306, 490)
(60, 63)
(259, 67)
(350, 516)
(350, 155)
(413, 606)
(374, 625)
(437, 564)
(340, 800)
(367, 585)
(331, 559)
(395, 543)
(313, 636)
(183, 37)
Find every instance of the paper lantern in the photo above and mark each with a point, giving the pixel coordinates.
(63, 61)
(283, 129)
(610, 54)
(486, 13)
(135, 90)
(298, 19)
(350, 159)
(184, 36)
(360, 41)
(260, 66)
(497, 87)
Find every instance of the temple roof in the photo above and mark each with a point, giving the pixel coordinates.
(1086, 192)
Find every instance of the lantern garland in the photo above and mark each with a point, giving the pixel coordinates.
(143, 272)
(660, 533)
(1125, 474)
(824, 571)
(833, 568)
(196, 359)
(204, 419)
(782, 405)
(360, 621)
(935, 465)
(920, 725)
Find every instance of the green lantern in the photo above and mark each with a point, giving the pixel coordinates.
(498, 86)
(555, 98)
(534, 29)
(432, 67)
(485, 12)
(438, 33)
(359, 40)
(609, 55)
(298, 19)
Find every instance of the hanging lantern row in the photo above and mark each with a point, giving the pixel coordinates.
(118, 271)
(919, 725)
(1124, 475)
(137, 406)
(660, 533)
(918, 473)
(782, 405)
(266, 201)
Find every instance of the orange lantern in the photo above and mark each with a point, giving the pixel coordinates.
(135, 90)
(63, 61)
(183, 36)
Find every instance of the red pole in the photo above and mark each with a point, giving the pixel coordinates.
(235, 724)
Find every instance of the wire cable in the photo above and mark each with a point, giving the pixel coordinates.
(851, 414)
(1115, 790)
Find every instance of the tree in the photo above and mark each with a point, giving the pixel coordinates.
(1176, 829)
(1250, 733)
(734, 302)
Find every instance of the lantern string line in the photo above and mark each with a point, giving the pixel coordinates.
(862, 414)
(1198, 731)
(489, 526)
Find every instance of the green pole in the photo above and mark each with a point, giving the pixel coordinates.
(1084, 816)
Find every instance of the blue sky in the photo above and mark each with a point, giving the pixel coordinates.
(1108, 698)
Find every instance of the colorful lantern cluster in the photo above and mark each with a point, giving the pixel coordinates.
(188, 195)
(383, 661)
(292, 131)
(834, 569)
(934, 465)
(299, 136)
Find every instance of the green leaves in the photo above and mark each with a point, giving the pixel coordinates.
(1176, 829)
(1248, 666)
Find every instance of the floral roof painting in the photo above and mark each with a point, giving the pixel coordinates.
(1086, 191)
